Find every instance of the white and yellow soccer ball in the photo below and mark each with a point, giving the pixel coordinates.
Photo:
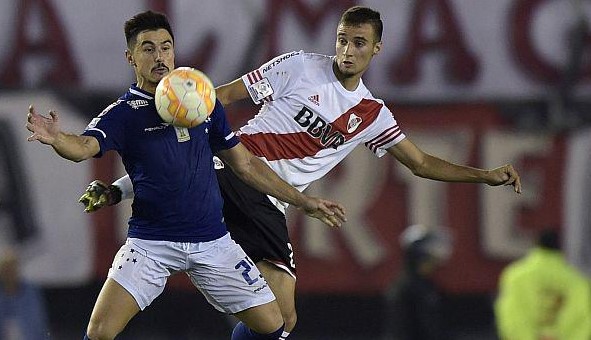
(185, 97)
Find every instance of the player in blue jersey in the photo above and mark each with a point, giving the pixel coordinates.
(176, 223)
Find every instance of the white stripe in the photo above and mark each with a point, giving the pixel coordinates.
(230, 136)
(99, 130)
(137, 93)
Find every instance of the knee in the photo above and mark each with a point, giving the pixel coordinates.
(97, 330)
(290, 319)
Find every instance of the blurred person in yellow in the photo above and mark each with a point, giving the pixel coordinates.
(543, 297)
(22, 308)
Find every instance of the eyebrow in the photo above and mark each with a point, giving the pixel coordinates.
(145, 42)
(354, 38)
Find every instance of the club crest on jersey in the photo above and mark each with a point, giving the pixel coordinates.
(353, 123)
(319, 128)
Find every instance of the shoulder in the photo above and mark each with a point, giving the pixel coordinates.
(113, 108)
(284, 61)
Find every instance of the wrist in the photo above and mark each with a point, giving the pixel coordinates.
(114, 195)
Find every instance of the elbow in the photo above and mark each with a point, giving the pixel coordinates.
(418, 169)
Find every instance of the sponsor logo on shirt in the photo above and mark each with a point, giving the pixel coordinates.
(315, 99)
(319, 128)
(92, 123)
(354, 122)
(159, 127)
(136, 104)
(278, 61)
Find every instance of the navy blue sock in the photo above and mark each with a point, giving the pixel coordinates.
(242, 332)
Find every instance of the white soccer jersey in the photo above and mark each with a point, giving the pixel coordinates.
(309, 122)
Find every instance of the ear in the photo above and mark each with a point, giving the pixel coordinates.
(129, 58)
(377, 48)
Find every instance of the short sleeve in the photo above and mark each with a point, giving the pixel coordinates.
(275, 78)
(221, 136)
(107, 128)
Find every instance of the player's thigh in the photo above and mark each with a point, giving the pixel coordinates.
(227, 277)
(113, 309)
(283, 286)
(142, 268)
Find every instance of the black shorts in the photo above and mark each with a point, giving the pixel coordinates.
(254, 222)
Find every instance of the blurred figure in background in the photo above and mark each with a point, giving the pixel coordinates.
(414, 302)
(542, 297)
(22, 310)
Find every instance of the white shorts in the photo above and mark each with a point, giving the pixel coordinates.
(220, 269)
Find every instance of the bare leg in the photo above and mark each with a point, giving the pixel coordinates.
(283, 286)
(112, 311)
(263, 319)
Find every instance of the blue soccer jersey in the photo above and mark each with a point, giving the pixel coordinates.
(176, 193)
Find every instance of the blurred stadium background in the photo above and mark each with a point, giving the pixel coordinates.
(473, 81)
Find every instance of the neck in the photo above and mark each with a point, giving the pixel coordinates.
(146, 85)
(349, 82)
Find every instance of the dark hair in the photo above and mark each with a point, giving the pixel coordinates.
(358, 15)
(143, 21)
(549, 238)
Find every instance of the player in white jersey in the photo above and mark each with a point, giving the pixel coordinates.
(315, 110)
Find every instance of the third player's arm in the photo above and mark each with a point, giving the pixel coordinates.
(427, 166)
(257, 174)
(231, 92)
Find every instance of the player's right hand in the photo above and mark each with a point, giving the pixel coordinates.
(330, 213)
(98, 194)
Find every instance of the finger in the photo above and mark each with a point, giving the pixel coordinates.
(83, 199)
(325, 209)
(517, 185)
(32, 137)
(340, 212)
(329, 221)
(53, 115)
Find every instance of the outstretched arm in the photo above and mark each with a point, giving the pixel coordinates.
(257, 174)
(47, 131)
(427, 166)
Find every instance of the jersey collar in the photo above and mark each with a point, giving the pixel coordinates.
(139, 92)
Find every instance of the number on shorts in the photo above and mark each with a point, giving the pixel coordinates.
(247, 265)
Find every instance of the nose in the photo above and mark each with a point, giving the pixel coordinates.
(346, 49)
(159, 56)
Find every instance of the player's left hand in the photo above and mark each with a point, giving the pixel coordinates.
(330, 213)
(505, 175)
(98, 194)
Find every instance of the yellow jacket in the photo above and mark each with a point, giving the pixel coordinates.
(540, 297)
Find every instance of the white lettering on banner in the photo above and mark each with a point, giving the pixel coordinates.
(427, 199)
(360, 176)
(437, 49)
(502, 236)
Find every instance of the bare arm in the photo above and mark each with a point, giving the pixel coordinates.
(47, 131)
(427, 166)
(257, 174)
(231, 92)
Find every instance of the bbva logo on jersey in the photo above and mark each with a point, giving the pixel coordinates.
(319, 128)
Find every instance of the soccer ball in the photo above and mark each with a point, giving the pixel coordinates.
(185, 97)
